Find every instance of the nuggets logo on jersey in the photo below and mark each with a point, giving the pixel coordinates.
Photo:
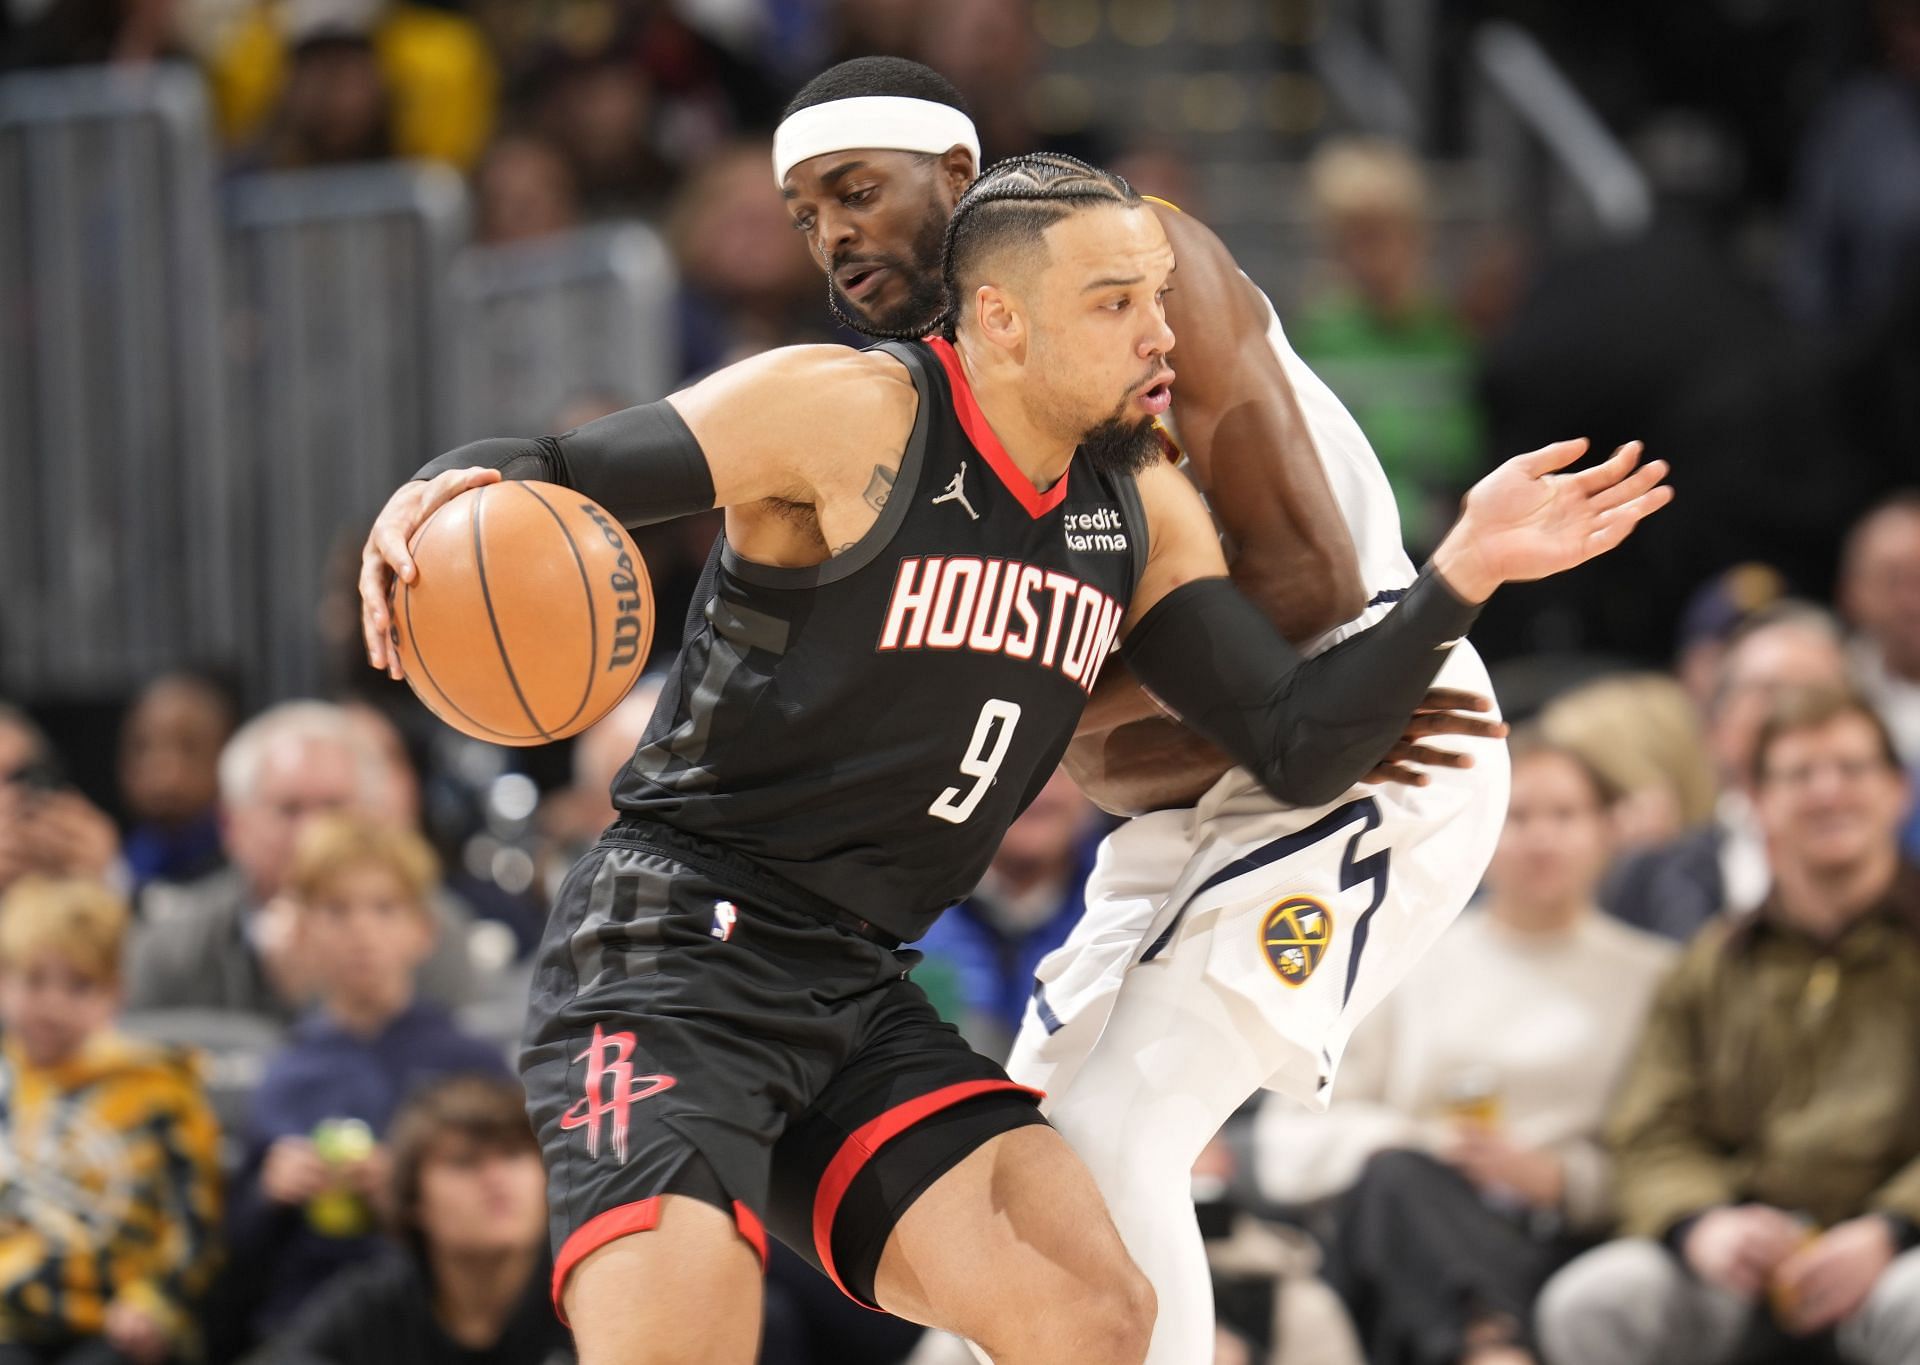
(994, 606)
(1294, 935)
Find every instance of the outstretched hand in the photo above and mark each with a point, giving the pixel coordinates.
(1527, 520)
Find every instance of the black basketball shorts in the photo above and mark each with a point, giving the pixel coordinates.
(692, 1031)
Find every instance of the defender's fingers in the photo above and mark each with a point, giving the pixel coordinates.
(1615, 526)
(1610, 470)
(1434, 758)
(1428, 724)
(1454, 699)
(1547, 459)
(1631, 513)
(1642, 481)
(1396, 773)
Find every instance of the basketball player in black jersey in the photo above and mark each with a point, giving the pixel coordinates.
(930, 549)
(872, 197)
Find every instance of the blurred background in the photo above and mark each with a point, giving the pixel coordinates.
(259, 259)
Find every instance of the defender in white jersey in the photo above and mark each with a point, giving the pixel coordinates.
(1237, 943)
(1230, 942)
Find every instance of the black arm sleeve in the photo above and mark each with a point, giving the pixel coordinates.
(1308, 728)
(642, 464)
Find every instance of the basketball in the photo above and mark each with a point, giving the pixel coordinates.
(530, 614)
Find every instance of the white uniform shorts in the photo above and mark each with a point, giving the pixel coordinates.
(1306, 917)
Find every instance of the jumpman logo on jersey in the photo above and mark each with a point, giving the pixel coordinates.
(612, 1089)
(957, 492)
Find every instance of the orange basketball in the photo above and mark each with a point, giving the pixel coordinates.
(529, 616)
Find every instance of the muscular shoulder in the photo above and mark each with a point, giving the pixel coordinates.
(786, 425)
(827, 380)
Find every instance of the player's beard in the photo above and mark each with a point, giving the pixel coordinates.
(925, 304)
(1122, 444)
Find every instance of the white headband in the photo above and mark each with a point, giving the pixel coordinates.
(892, 123)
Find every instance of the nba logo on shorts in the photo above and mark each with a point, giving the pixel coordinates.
(1294, 935)
(725, 915)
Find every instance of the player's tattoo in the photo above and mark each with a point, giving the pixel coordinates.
(880, 487)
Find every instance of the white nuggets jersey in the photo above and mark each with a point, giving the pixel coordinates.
(1307, 916)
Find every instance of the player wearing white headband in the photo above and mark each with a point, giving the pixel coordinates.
(1229, 942)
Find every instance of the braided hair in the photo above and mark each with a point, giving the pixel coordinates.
(1019, 198)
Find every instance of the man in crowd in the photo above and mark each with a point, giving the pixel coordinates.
(170, 777)
(46, 826)
(1767, 1135)
(221, 943)
(1880, 597)
(1721, 865)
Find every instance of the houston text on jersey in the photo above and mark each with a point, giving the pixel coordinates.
(1000, 606)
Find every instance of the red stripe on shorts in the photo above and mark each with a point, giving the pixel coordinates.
(626, 1220)
(859, 1149)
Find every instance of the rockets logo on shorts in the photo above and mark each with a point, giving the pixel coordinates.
(1001, 606)
(612, 1089)
(1294, 935)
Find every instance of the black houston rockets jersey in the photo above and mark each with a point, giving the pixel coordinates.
(867, 728)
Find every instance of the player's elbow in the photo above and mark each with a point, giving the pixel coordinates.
(1304, 778)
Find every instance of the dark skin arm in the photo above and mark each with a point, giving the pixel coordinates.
(1249, 448)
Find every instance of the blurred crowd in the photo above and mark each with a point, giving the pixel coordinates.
(1765, 320)
(1655, 1098)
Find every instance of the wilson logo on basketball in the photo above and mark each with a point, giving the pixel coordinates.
(1000, 606)
(627, 630)
(1294, 935)
(612, 1089)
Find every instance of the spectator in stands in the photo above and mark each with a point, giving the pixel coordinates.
(363, 922)
(982, 953)
(45, 825)
(1714, 613)
(1721, 865)
(749, 284)
(1398, 356)
(469, 1283)
(525, 189)
(600, 108)
(335, 107)
(170, 777)
(224, 942)
(111, 1199)
(1880, 597)
(1640, 732)
(83, 32)
(1767, 1136)
(1465, 1126)
(1856, 221)
(319, 82)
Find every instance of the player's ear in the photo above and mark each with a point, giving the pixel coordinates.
(997, 318)
(953, 173)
